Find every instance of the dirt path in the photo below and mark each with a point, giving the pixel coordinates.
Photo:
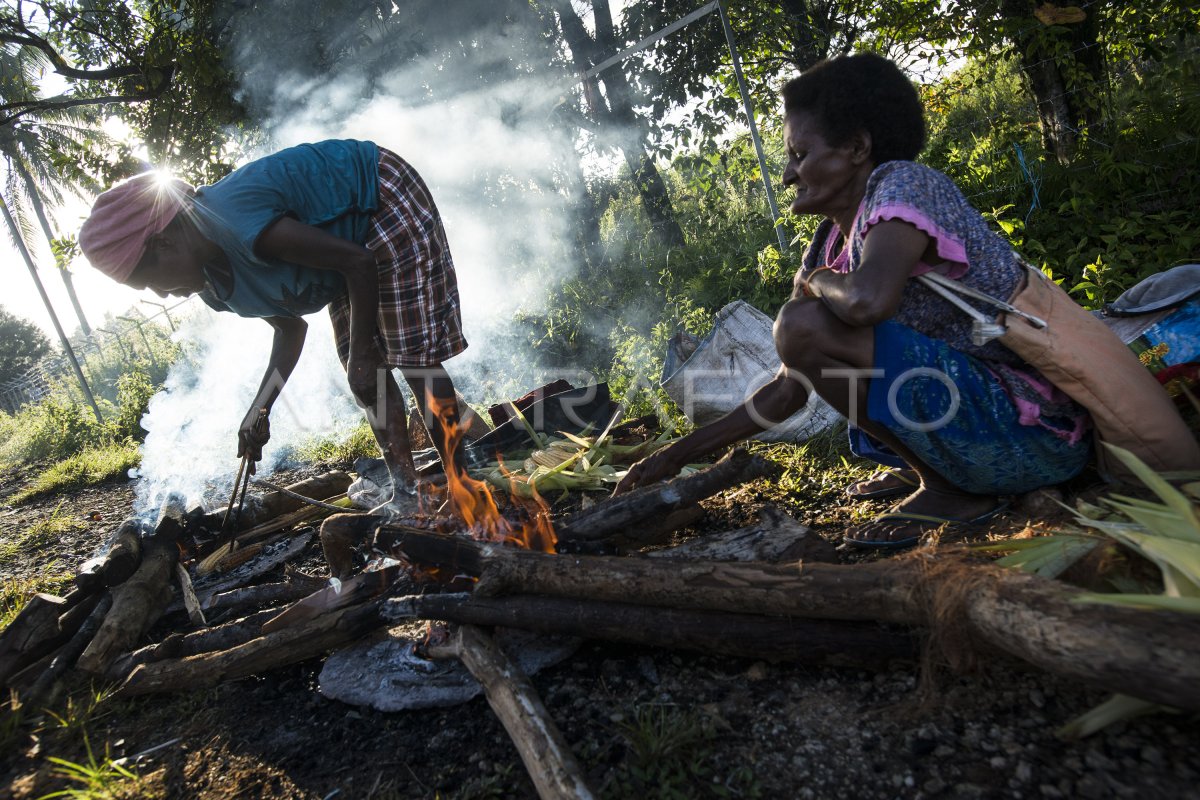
(643, 722)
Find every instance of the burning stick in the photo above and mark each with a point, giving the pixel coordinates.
(620, 514)
(551, 764)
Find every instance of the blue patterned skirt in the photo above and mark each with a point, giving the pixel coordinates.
(953, 413)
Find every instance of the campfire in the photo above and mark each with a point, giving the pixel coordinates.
(178, 603)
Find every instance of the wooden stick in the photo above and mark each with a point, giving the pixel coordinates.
(862, 644)
(295, 586)
(620, 514)
(177, 645)
(551, 765)
(286, 646)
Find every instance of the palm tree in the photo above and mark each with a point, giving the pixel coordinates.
(37, 153)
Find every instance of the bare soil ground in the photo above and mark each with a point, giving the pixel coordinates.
(643, 722)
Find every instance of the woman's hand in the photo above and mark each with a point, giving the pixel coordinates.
(659, 466)
(253, 433)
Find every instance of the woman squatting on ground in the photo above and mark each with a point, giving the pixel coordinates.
(858, 324)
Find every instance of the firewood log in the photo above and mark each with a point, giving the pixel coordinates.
(965, 604)
(119, 561)
(860, 644)
(43, 625)
(137, 604)
(286, 646)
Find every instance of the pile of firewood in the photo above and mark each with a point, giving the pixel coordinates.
(760, 592)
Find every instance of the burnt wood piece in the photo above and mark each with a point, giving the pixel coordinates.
(295, 585)
(181, 645)
(120, 560)
(45, 624)
(172, 519)
(619, 515)
(341, 535)
(859, 644)
(137, 604)
(286, 646)
(353, 591)
(1153, 655)
(307, 513)
(45, 687)
(551, 765)
(272, 553)
(455, 553)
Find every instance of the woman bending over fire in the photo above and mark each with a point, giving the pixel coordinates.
(973, 422)
(340, 224)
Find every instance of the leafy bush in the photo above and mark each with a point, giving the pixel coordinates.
(52, 429)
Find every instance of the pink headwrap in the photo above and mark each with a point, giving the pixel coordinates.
(114, 236)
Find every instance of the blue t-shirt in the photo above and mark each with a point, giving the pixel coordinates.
(332, 185)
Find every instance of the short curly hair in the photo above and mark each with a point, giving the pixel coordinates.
(861, 92)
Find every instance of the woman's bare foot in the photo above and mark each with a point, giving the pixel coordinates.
(885, 483)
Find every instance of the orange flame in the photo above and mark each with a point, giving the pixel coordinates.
(472, 501)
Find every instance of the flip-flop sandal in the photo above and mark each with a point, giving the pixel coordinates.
(907, 486)
(928, 522)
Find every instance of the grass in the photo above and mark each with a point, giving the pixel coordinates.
(15, 593)
(95, 779)
(39, 535)
(334, 450)
(88, 467)
(669, 755)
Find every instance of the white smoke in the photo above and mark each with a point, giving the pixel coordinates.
(191, 441)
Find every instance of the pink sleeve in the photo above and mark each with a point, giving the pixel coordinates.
(949, 248)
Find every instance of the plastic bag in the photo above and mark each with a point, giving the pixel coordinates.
(709, 379)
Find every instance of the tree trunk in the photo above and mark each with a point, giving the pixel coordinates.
(619, 121)
(35, 198)
(1065, 69)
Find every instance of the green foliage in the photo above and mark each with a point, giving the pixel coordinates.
(81, 709)
(52, 429)
(95, 779)
(88, 467)
(1120, 211)
(22, 344)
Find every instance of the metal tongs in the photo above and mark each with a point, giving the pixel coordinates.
(245, 471)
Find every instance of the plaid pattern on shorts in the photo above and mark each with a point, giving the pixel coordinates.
(419, 324)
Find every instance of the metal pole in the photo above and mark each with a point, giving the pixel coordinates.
(62, 336)
(145, 341)
(166, 313)
(758, 148)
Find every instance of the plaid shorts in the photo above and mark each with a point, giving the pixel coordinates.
(419, 323)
